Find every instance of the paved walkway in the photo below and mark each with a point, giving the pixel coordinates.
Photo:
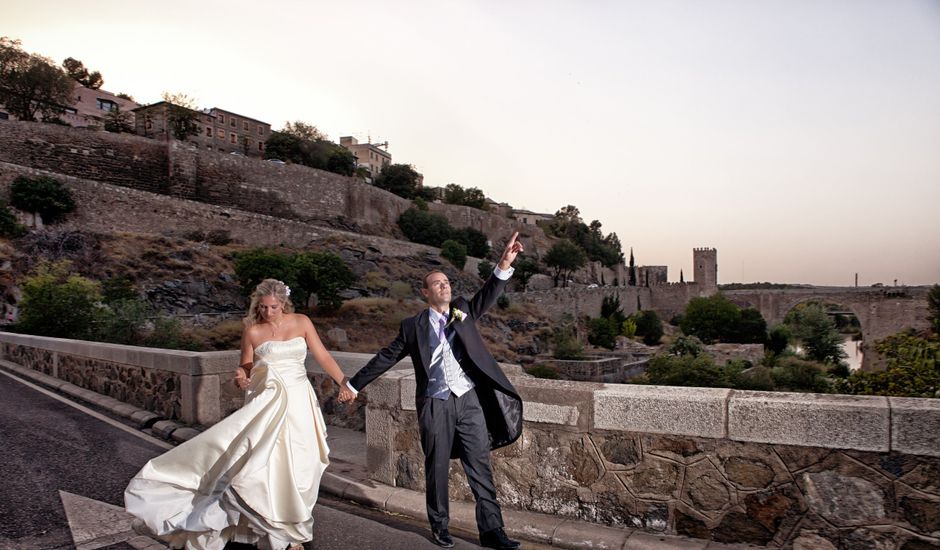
(347, 478)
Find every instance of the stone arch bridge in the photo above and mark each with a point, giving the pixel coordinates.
(881, 311)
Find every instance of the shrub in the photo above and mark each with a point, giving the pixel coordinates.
(649, 326)
(795, 374)
(543, 371)
(9, 227)
(686, 345)
(42, 195)
(59, 303)
(779, 339)
(502, 302)
(454, 252)
(913, 369)
(602, 332)
(565, 344)
(628, 328)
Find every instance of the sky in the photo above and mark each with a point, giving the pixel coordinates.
(801, 138)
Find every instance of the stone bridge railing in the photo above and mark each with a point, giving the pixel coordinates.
(777, 469)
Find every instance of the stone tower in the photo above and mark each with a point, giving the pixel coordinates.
(705, 263)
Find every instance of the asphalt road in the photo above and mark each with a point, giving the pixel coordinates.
(48, 446)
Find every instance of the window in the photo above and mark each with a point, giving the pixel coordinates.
(234, 122)
(260, 130)
(261, 146)
(220, 133)
(232, 138)
(246, 125)
(221, 119)
(209, 131)
(106, 104)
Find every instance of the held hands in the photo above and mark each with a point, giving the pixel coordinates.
(513, 248)
(345, 395)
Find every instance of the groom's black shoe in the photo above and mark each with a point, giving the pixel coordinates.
(442, 538)
(497, 539)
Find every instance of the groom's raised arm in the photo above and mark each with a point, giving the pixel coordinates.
(486, 297)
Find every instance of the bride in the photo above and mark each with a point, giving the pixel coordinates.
(254, 476)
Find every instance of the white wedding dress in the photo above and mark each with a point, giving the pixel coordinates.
(251, 478)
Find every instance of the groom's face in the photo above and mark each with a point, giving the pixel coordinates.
(436, 289)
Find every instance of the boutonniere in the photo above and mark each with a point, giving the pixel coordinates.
(456, 315)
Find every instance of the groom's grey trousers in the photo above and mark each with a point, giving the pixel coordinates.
(457, 421)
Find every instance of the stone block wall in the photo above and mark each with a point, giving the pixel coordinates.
(771, 469)
(775, 469)
(121, 159)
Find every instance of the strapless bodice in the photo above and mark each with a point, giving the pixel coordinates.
(282, 358)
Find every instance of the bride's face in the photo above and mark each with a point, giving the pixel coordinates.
(270, 308)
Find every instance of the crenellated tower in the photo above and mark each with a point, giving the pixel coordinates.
(705, 263)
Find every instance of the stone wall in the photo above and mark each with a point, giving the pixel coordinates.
(107, 208)
(121, 159)
(178, 169)
(775, 469)
(668, 300)
(772, 469)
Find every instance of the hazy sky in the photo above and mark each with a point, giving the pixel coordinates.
(799, 137)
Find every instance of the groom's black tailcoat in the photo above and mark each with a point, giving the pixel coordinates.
(501, 404)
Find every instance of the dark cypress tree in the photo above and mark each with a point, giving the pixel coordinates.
(632, 267)
(681, 277)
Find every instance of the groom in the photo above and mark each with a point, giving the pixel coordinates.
(465, 404)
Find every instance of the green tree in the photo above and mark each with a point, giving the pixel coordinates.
(686, 345)
(304, 130)
(454, 252)
(631, 270)
(77, 71)
(59, 303)
(913, 369)
(933, 306)
(118, 121)
(688, 370)
(602, 332)
(341, 161)
(649, 326)
(474, 240)
(255, 265)
(711, 319)
(9, 227)
(400, 179)
(43, 196)
(779, 339)
(321, 273)
(182, 115)
(32, 85)
(750, 329)
(525, 268)
(420, 226)
(564, 257)
(472, 197)
(810, 324)
(610, 309)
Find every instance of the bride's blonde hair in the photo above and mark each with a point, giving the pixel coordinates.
(268, 287)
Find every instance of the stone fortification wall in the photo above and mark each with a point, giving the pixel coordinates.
(121, 159)
(283, 191)
(108, 208)
(776, 469)
(667, 300)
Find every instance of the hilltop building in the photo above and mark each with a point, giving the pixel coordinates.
(219, 130)
(88, 107)
(368, 155)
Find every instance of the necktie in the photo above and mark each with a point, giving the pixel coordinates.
(441, 323)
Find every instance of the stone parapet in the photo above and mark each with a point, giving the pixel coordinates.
(774, 469)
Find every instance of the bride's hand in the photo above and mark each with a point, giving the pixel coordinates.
(241, 379)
